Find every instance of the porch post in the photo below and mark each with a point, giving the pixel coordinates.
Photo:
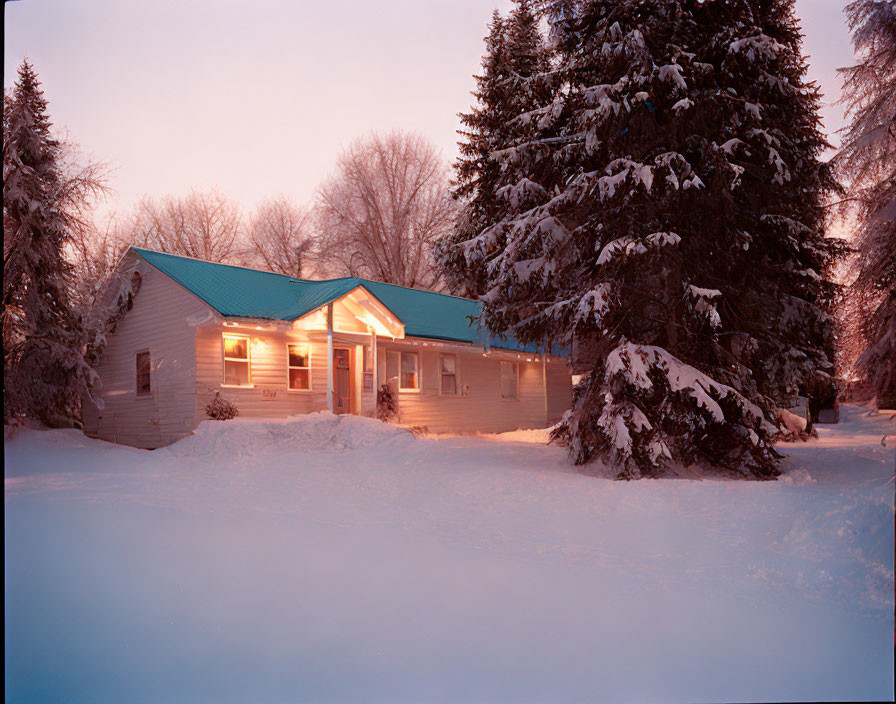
(544, 386)
(376, 386)
(330, 357)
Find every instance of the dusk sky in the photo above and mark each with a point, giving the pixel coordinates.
(257, 97)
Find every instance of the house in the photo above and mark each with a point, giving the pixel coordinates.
(276, 346)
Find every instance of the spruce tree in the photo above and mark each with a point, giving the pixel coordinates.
(43, 364)
(514, 80)
(675, 244)
(868, 161)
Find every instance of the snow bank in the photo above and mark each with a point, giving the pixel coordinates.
(357, 563)
(313, 432)
(536, 436)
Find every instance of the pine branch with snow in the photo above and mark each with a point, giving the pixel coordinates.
(515, 78)
(45, 372)
(669, 203)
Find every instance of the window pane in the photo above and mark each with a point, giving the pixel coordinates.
(448, 371)
(448, 365)
(236, 347)
(143, 374)
(409, 379)
(298, 356)
(298, 379)
(368, 359)
(449, 384)
(236, 373)
(392, 364)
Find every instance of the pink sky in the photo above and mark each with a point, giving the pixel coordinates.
(256, 97)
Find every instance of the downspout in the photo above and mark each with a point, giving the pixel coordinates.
(330, 357)
(544, 386)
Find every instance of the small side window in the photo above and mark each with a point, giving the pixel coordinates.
(144, 370)
(448, 374)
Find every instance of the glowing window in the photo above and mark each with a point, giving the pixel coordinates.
(299, 366)
(236, 361)
(410, 371)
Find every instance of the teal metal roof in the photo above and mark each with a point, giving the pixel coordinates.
(236, 291)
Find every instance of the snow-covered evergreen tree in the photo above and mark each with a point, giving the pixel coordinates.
(868, 161)
(44, 371)
(514, 80)
(673, 231)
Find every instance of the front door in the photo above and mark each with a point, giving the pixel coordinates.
(342, 381)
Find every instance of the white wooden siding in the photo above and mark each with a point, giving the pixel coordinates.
(157, 322)
(481, 410)
(268, 395)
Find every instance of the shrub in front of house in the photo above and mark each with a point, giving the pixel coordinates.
(386, 406)
(221, 409)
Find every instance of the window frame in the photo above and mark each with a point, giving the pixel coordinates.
(456, 374)
(225, 359)
(418, 369)
(137, 393)
(290, 367)
(516, 366)
(367, 369)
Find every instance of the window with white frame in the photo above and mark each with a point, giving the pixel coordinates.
(409, 379)
(144, 370)
(299, 366)
(368, 368)
(448, 374)
(510, 379)
(236, 360)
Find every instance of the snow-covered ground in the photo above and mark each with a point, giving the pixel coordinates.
(338, 559)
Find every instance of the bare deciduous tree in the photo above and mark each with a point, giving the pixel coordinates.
(91, 250)
(204, 225)
(867, 160)
(381, 212)
(280, 237)
(94, 251)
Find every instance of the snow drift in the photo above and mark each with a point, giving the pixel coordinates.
(245, 438)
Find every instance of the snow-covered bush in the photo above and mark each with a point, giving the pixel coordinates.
(386, 404)
(221, 409)
(795, 427)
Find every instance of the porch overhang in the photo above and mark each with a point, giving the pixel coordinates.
(357, 311)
